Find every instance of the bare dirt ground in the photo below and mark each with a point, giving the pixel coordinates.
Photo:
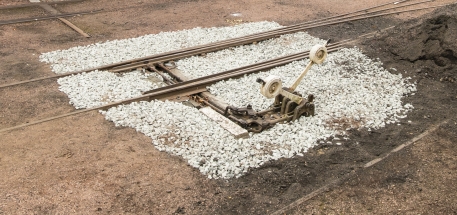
(85, 165)
(418, 180)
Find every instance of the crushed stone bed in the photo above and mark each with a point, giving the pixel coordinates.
(351, 90)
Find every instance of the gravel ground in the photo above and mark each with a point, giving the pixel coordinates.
(352, 91)
(96, 88)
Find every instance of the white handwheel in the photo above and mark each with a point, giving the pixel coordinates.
(272, 86)
(318, 54)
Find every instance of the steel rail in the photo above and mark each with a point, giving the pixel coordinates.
(272, 33)
(358, 11)
(243, 40)
(177, 54)
(372, 12)
(38, 4)
(180, 88)
(15, 21)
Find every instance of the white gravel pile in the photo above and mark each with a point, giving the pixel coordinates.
(184, 131)
(99, 54)
(97, 88)
(351, 90)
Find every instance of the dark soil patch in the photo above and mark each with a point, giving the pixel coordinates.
(420, 180)
(351, 30)
(19, 68)
(424, 49)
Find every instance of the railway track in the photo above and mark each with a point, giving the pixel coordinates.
(38, 4)
(211, 47)
(199, 85)
(55, 14)
(16, 21)
(190, 87)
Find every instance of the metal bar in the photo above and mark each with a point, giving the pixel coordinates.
(298, 80)
(74, 27)
(15, 21)
(213, 100)
(54, 11)
(178, 76)
(161, 74)
(173, 96)
(128, 68)
(37, 4)
(219, 110)
(358, 11)
(373, 12)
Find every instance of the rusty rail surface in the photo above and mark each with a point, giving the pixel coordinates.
(54, 11)
(15, 21)
(38, 4)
